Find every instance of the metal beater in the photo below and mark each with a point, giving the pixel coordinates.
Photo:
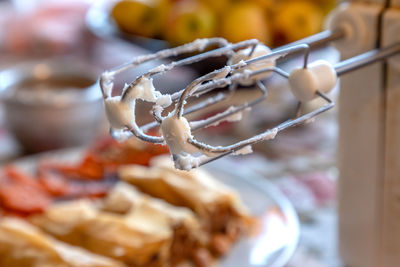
(231, 76)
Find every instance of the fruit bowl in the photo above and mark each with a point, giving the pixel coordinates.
(272, 22)
(101, 24)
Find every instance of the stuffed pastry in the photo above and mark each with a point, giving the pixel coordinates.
(81, 223)
(182, 224)
(24, 245)
(129, 226)
(221, 212)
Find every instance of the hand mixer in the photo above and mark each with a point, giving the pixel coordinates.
(249, 62)
(367, 34)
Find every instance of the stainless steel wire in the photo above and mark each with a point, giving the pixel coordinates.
(231, 76)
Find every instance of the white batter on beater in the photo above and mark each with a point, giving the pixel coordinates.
(176, 132)
(227, 118)
(121, 113)
(187, 162)
(146, 91)
(232, 118)
(244, 151)
(242, 55)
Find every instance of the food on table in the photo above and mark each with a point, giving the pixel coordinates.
(267, 5)
(21, 192)
(243, 21)
(296, 20)
(105, 157)
(326, 5)
(81, 223)
(180, 218)
(59, 185)
(218, 6)
(141, 17)
(189, 20)
(180, 223)
(93, 176)
(146, 231)
(23, 245)
(219, 208)
(63, 89)
(271, 21)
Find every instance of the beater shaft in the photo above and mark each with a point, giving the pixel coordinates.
(365, 59)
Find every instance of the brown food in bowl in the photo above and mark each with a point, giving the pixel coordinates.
(51, 105)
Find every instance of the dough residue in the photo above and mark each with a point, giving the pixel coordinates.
(176, 131)
(243, 151)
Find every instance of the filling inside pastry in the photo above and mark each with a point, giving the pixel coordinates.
(218, 207)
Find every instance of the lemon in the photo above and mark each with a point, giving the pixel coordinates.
(220, 6)
(267, 5)
(245, 20)
(217, 5)
(325, 5)
(189, 20)
(296, 20)
(141, 17)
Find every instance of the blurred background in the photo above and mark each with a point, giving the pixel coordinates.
(52, 52)
(57, 42)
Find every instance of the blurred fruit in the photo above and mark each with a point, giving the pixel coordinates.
(267, 5)
(296, 20)
(141, 17)
(189, 20)
(245, 20)
(180, 21)
(325, 5)
(218, 5)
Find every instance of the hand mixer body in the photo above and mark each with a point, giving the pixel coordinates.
(368, 153)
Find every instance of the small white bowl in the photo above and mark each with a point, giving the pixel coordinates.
(51, 105)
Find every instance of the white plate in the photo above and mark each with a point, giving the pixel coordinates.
(277, 239)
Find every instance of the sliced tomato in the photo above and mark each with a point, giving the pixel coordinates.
(54, 183)
(23, 198)
(19, 177)
(89, 169)
(4, 179)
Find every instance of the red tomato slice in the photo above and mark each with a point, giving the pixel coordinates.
(23, 198)
(19, 177)
(53, 183)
